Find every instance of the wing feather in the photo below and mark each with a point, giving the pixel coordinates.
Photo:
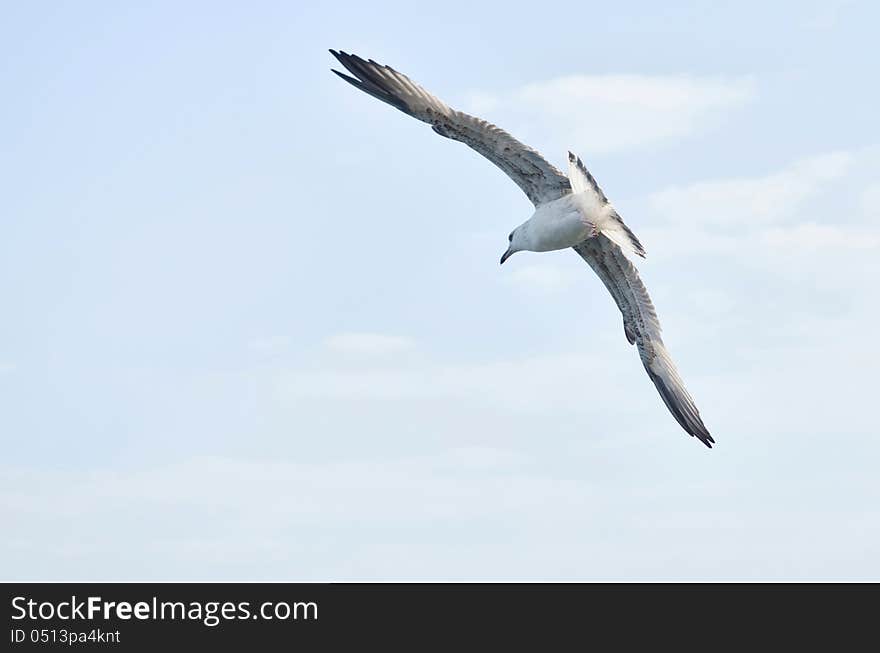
(538, 179)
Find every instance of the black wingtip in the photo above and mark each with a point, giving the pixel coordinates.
(704, 437)
(364, 78)
(351, 80)
(692, 424)
(700, 432)
(340, 55)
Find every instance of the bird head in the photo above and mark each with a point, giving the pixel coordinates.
(514, 245)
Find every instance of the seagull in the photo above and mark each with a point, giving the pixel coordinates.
(570, 211)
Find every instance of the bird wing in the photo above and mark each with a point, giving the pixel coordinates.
(642, 328)
(537, 178)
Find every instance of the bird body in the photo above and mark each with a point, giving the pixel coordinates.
(558, 224)
(570, 211)
(569, 220)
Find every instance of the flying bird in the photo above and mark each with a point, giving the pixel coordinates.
(570, 211)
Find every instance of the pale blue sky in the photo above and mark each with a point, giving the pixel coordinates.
(255, 327)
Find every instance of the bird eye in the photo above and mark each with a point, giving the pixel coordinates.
(510, 237)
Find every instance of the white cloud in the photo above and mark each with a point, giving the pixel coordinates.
(278, 508)
(811, 236)
(602, 113)
(747, 200)
(820, 202)
(523, 383)
(368, 344)
(403, 518)
(664, 241)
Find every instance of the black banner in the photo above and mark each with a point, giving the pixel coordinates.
(147, 616)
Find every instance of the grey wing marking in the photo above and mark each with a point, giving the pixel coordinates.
(538, 179)
(642, 328)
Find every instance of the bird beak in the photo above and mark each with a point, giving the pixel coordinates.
(505, 256)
